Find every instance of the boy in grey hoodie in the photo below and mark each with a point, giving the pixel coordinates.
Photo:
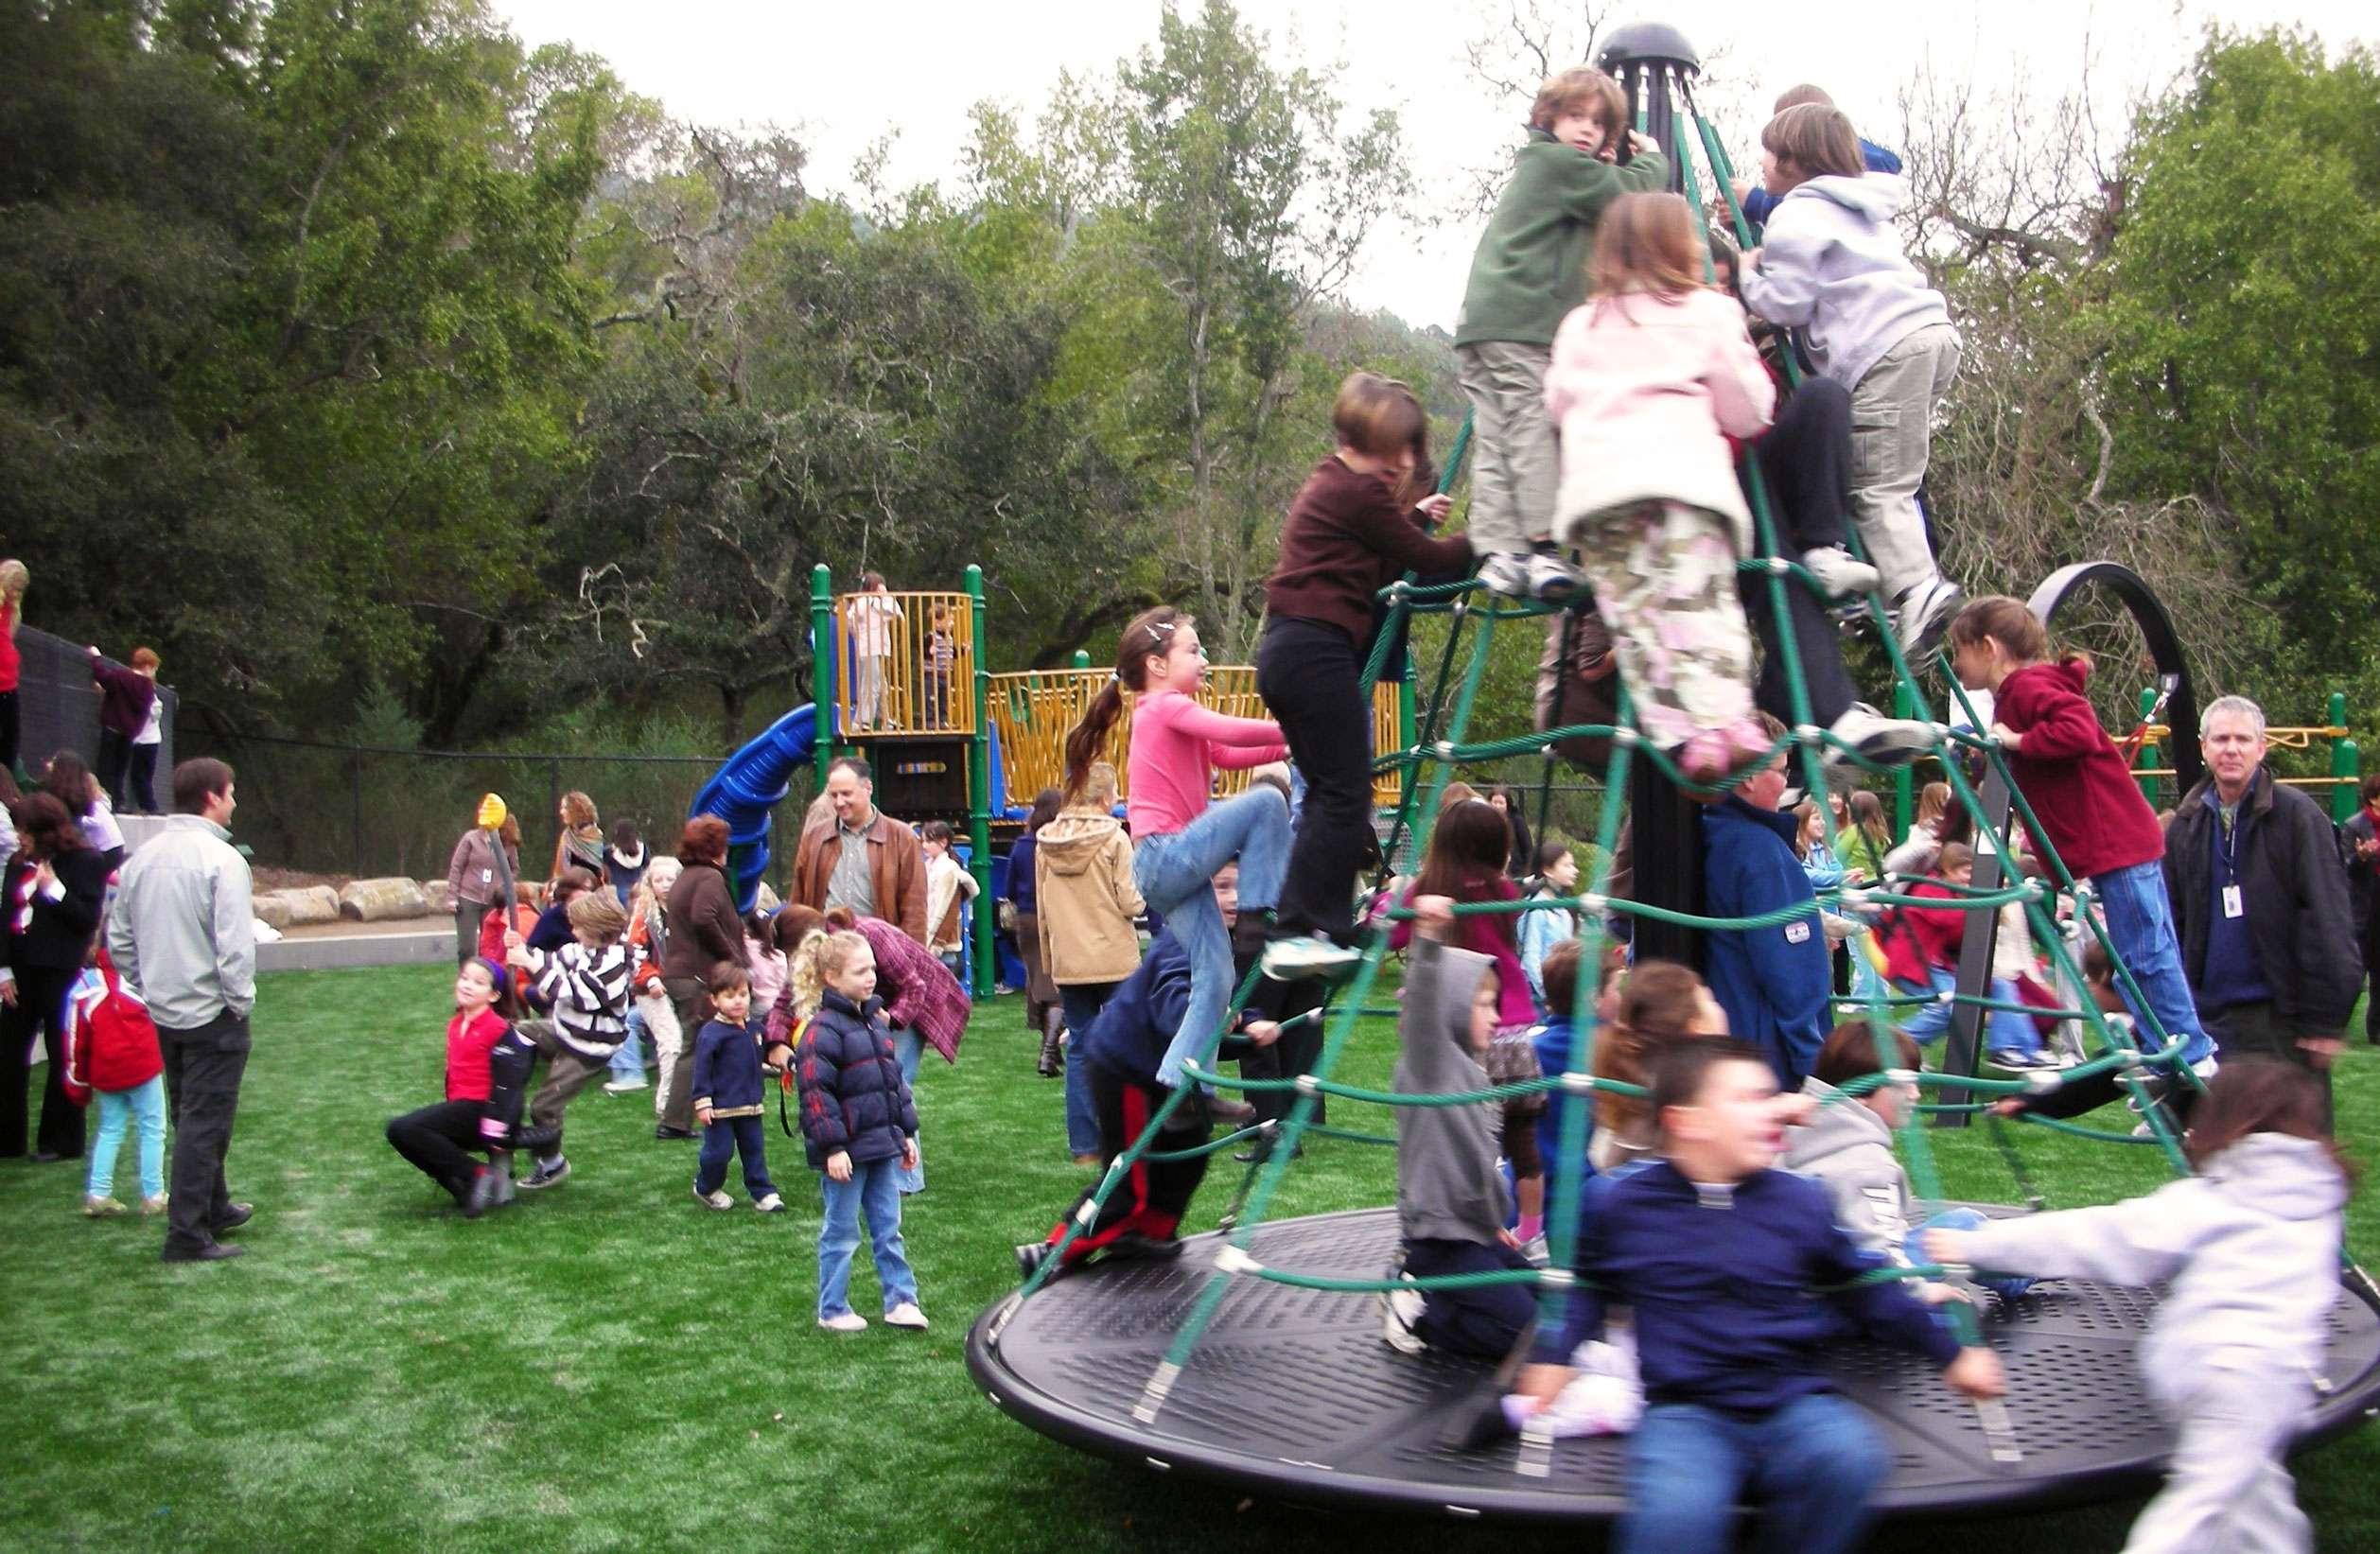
(2251, 1246)
(1831, 267)
(1451, 1203)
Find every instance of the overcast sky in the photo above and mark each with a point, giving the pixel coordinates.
(844, 75)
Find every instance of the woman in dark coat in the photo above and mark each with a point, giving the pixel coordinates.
(51, 894)
(703, 928)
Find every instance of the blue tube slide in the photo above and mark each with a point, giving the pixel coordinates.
(752, 784)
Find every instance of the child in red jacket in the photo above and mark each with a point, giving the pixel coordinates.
(120, 1062)
(2083, 797)
(1921, 950)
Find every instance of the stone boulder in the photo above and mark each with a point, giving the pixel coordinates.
(383, 900)
(440, 897)
(313, 904)
(272, 910)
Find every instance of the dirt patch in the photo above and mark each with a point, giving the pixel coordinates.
(289, 879)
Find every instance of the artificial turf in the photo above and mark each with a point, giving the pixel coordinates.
(610, 1365)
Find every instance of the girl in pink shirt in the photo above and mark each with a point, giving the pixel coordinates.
(1649, 379)
(1178, 840)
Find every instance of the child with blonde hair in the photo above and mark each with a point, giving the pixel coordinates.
(14, 579)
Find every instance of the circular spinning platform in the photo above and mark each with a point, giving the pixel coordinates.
(1292, 1394)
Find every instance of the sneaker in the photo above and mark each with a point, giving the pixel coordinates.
(663, 1131)
(1399, 1310)
(1506, 572)
(488, 1191)
(100, 1207)
(1873, 737)
(624, 1087)
(906, 1315)
(850, 1322)
(1030, 1255)
(1308, 957)
(1133, 1247)
(713, 1199)
(1537, 1251)
(771, 1204)
(1532, 574)
(152, 1207)
(548, 1173)
(1922, 613)
(1839, 571)
(2020, 1061)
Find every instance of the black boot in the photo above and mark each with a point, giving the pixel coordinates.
(1053, 1055)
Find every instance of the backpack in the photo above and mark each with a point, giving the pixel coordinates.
(110, 1041)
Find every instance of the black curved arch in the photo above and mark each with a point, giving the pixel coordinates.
(2164, 648)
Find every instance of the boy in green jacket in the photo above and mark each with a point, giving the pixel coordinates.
(1529, 271)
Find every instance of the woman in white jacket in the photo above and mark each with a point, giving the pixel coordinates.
(2252, 1246)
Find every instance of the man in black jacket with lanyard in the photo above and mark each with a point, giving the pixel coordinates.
(2260, 902)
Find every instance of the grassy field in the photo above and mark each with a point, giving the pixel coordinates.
(611, 1366)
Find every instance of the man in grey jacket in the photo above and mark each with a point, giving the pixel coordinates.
(1450, 1200)
(184, 940)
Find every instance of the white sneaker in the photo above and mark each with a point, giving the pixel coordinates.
(770, 1205)
(1399, 1310)
(1839, 571)
(1923, 612)
(1873, 737)
(850, 1322)
(1531, 574)
(624, 1087)
(1308, 956)
(713, 1199)
(1537, 1251)
(906, 1315)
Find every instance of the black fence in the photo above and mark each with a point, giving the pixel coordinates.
(57, 705)
(366, 811)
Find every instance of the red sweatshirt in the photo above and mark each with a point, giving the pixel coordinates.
(467, 1048)
(1930, 936)
(2073, 774)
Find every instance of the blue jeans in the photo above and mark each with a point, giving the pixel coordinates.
(2004, 1030)
(144, 1106)
(1812, 1464)
(909, 1051)
(1082, 1003)
(2007, 1286)
(726, 1136)
(627, 1062)
(872, 1193)
(1176, 874)
(2141, 926)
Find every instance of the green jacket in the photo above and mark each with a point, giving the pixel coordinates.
(1531, 265)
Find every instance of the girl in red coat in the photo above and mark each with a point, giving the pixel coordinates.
(2083, 797)
(128, 1076)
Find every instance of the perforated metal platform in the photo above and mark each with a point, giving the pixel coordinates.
(1292, 1394)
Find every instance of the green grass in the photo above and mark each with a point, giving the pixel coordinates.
(612, 1366)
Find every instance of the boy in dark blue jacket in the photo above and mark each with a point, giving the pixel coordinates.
(1122, 1048)
(727, 1090)
(1774, 981)
(859, 1127)
(1718, 1254)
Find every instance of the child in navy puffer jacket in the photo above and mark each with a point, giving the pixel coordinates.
(858, 1126)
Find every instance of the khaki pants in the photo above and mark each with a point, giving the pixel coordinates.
(1891, 437)
(1515, 467)
(567, 1074)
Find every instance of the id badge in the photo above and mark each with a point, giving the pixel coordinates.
(2233, 905)
(487, 875)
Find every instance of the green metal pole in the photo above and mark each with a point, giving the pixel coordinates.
(2346, 765)
(2145, 757)
(822, 668)
(979, 786)
(1904, 786)
(1082, 658)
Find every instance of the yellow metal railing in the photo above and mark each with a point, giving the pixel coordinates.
(1034, 711)
(904, 663)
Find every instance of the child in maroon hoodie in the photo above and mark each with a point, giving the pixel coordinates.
(2083, 797)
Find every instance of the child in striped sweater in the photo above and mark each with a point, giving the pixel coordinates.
(586, 984)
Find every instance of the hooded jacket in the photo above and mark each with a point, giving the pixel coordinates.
(1082, 864)
(1447, 1186)
(2295, 891)
(1774, 981)
(1832, 265)
(1759, 203)
(1530, 266)
(623, 870)
(2250, 1244)
(1848, 1149)
(852, 1096)
(2067, 769)
(1646, 390)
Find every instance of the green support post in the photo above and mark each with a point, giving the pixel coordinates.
(979, 787)
(822, 668)
(1082, 658)
(2145, 759)
(2346, 765)
(1904, 786)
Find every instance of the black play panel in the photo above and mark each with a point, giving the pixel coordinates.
(1293, 1393)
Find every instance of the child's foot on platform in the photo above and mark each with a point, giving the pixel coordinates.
(1873, 737)
(1308, 957)
(1399, 1310)
(1839, 571)
(906, 1315)
(1531, 574)
(1922, 613)
(850, 1322)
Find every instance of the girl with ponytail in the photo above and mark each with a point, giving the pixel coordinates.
(1178, 840)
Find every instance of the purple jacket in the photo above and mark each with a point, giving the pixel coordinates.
(124, 696)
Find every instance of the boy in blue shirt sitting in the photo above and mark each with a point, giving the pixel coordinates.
(1718, 1254)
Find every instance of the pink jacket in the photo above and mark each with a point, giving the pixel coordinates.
(1177, 744)
(1647, 390)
